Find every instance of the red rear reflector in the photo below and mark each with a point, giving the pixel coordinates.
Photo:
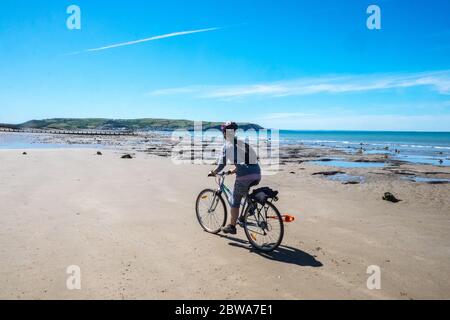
(288, 218)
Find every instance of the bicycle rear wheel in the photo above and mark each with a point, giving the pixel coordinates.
(264, 227)
(211, 211)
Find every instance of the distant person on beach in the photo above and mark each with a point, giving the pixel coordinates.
(247, 169)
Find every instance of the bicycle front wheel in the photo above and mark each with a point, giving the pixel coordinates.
(264, 227)
(211, 211)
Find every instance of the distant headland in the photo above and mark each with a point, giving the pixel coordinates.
(145, 124)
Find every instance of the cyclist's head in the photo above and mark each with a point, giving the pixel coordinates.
(229, 129)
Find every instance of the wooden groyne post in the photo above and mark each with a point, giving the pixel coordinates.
(71, 132)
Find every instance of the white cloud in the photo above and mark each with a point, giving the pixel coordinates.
(438, 81)
(173, 91)
(164, 36)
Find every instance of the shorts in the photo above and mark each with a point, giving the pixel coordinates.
(241, 187)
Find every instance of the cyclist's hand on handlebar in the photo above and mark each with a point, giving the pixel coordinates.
(224, 173)
(211, 174)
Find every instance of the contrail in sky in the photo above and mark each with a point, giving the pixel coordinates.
(163, 36)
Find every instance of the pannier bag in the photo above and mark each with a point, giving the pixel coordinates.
(262, 195)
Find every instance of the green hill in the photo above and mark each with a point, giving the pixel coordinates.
(123, 124)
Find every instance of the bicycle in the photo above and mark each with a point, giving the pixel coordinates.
(259, 217)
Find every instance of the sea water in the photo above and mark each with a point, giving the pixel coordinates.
(417, 147)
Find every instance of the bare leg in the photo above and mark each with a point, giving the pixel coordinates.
(234, 216)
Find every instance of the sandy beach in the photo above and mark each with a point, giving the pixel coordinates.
(121, 120)
(130, 225)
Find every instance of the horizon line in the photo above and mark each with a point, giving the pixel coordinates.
(243, 122)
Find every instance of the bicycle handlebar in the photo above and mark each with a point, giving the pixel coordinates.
(222, 174)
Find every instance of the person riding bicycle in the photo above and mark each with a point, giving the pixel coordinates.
(247, 169)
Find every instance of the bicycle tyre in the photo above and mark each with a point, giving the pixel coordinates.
(250, 238)
(221, 220)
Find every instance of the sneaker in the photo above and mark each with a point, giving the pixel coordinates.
(229, 229)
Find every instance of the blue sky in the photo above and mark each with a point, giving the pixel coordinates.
(282, 64)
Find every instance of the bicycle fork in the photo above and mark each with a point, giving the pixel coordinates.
(214, 203)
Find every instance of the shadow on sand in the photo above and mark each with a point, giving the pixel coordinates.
(283, 253)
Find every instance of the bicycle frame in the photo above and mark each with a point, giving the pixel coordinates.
(256, 215)
(220, 179)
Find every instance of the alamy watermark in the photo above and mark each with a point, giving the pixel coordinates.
(374, 20)
(201, 146)
(374, 280)
(73, 282)
(73, 22)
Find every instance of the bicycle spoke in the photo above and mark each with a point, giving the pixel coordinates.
(215, 218)
(271, 238)
(256, 232)
(210, 220)
(205, 205)
(210, 212)
(264, 227)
